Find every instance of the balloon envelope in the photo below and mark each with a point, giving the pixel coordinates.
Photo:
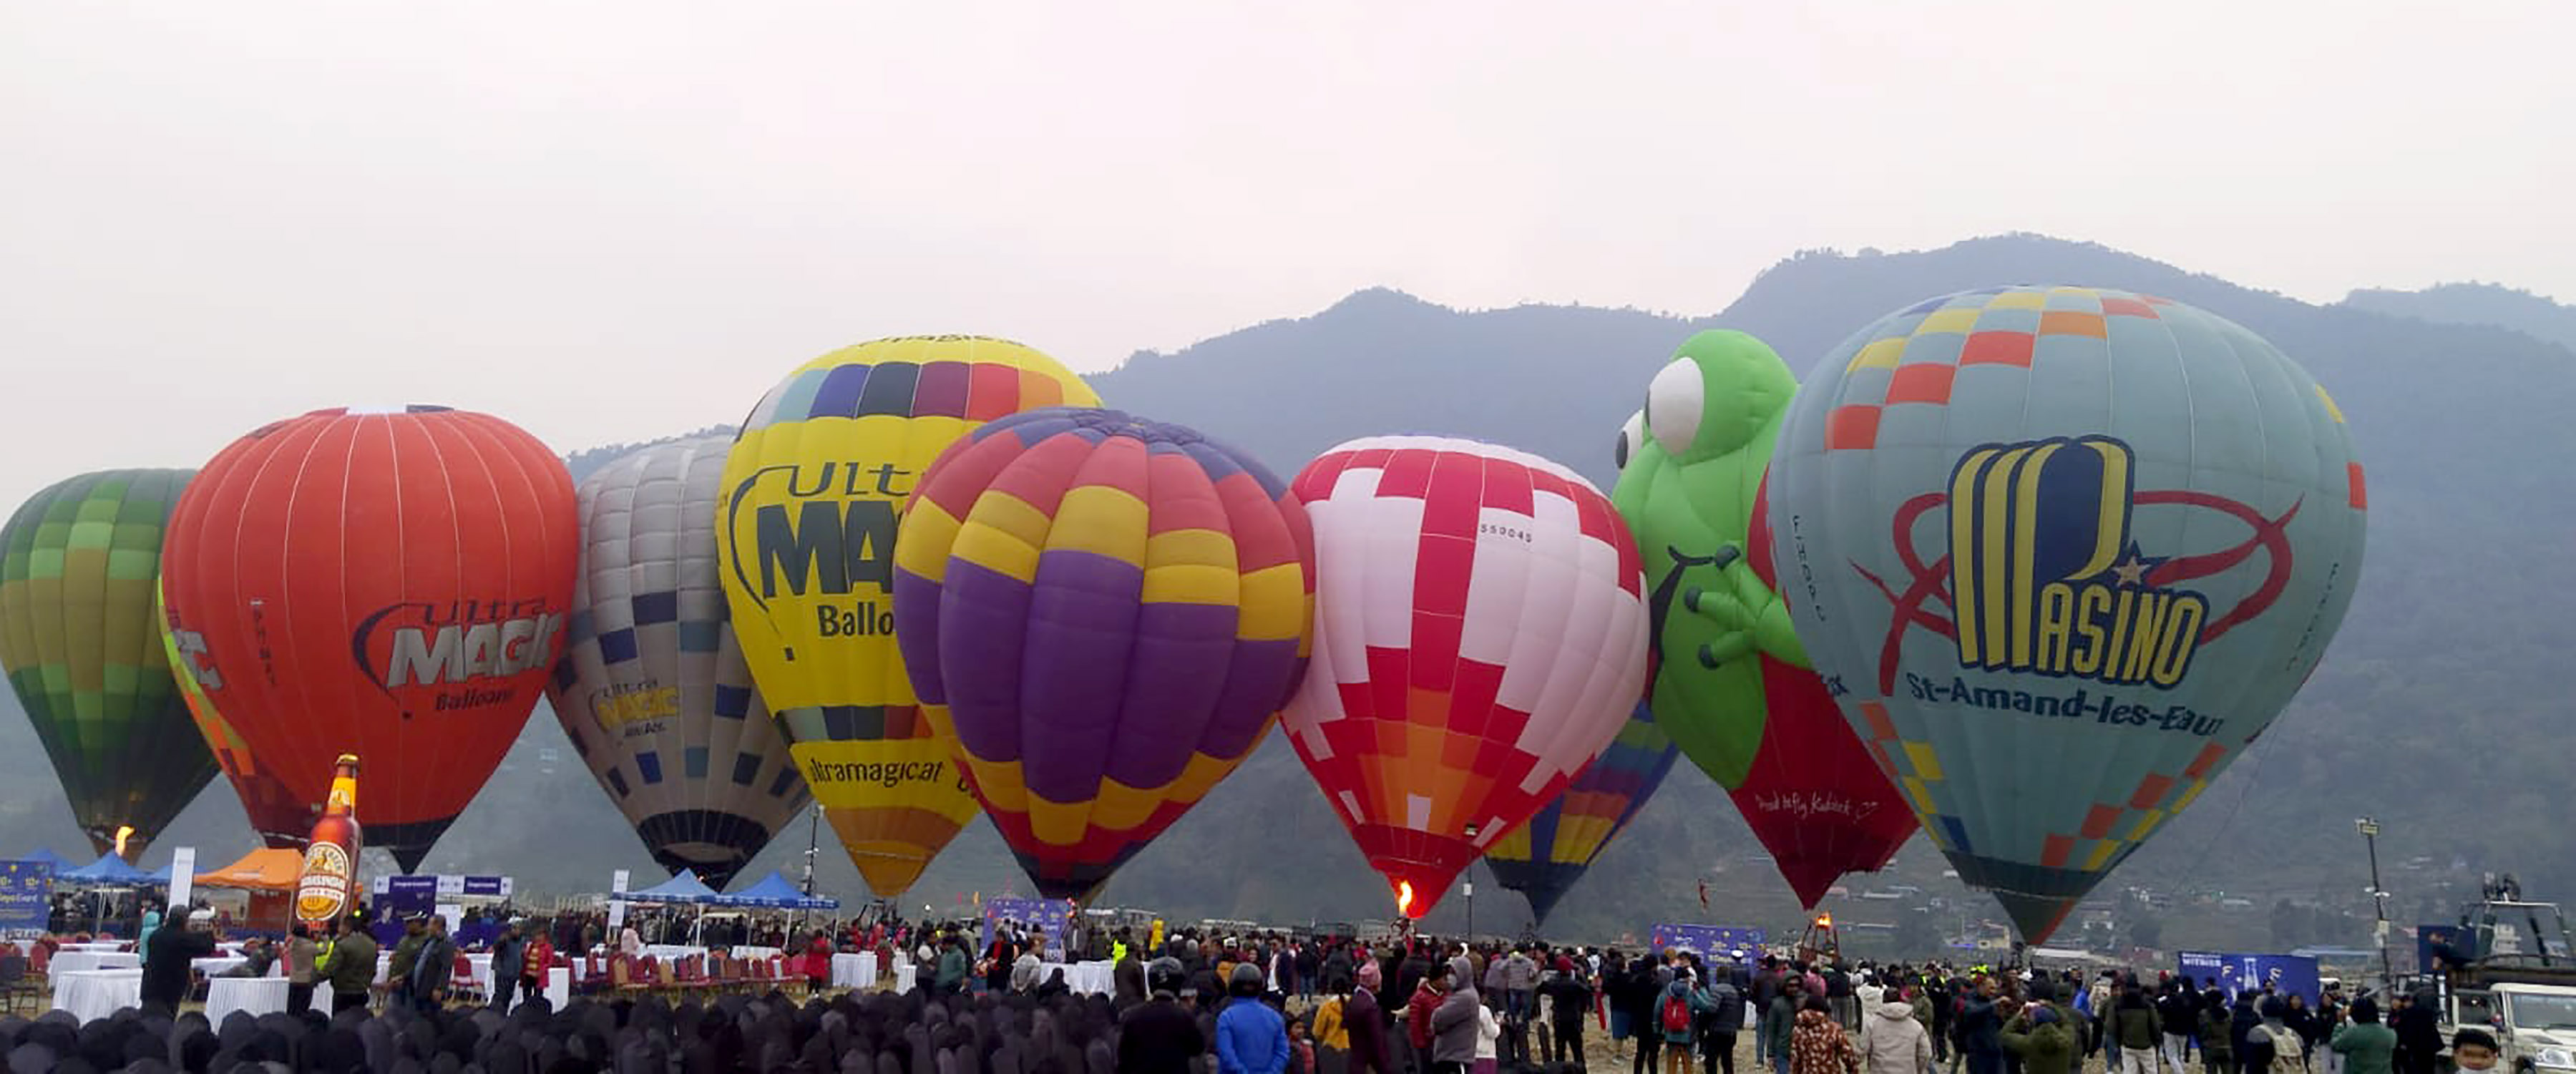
(391, 584)
(1543, 858)
(2070, 550)
(813, 492)
(1480, 636)
(652, 688)
(1106, 612)
(83, 651)
(1731, 683)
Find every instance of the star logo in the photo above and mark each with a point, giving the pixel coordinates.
(2132, 568)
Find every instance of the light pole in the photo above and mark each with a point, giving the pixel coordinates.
(2369, 830)
(813, 831)
(1471, 893)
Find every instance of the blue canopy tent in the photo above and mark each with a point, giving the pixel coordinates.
(774, 892)
(46, 855)
(685, 889)
(109, 870)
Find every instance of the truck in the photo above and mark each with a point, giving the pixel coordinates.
(2511, 969)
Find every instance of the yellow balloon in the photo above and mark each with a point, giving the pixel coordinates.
(813, 492)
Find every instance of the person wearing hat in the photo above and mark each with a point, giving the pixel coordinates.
(509, 963)
(432, 969)
(1366, 1019)
(406, 955)
(1251, 1038)
(1159, 1036)
(348, 962)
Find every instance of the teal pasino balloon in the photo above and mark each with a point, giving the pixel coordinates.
(2062, 553)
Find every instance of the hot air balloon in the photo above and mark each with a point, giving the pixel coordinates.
(1106, 613)
(1480, 636)
(652, 688)
(77, 638)
(2069, 550)
(806, 532)
(1731, 684)
(388, 583)
(1543, 858)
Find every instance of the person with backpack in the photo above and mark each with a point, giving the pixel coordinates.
(2217, 1034)
(1674, 1020)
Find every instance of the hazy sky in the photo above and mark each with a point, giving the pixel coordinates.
(611, 221)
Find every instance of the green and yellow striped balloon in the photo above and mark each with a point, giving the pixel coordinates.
(78, 638)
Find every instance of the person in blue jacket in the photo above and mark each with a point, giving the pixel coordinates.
(1251, 1038)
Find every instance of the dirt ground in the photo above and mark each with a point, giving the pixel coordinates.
(1604, 1056)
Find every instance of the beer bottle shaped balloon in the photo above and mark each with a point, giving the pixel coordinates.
(326, 889)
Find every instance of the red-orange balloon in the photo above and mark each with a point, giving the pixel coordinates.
(392, 584)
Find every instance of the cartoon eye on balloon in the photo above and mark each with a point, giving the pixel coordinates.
(1632, 435)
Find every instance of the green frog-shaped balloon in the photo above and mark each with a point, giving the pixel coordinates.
(1732, 685)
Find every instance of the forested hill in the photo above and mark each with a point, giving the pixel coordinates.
(2434, 711)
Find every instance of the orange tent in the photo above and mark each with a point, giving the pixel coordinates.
(259, 870)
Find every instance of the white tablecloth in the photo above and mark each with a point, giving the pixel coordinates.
(255, 995)
(903, 976)
(108, 945)
(558, 987)
(220, 963)
(85, 961)
(754, 952)
(1085, 978)
(855, 971)
(665, 952)
(93, 994)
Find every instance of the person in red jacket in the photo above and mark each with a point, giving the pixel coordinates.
(1427, 997)
(818, 962)
(540, 958)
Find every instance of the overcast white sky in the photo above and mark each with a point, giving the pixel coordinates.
(611, 221)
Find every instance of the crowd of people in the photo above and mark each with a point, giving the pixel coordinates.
(1193, 1003)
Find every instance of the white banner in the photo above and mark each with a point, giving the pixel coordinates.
(616, 907)
(183, 875)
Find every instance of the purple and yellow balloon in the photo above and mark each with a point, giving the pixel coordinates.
(1107, 613)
